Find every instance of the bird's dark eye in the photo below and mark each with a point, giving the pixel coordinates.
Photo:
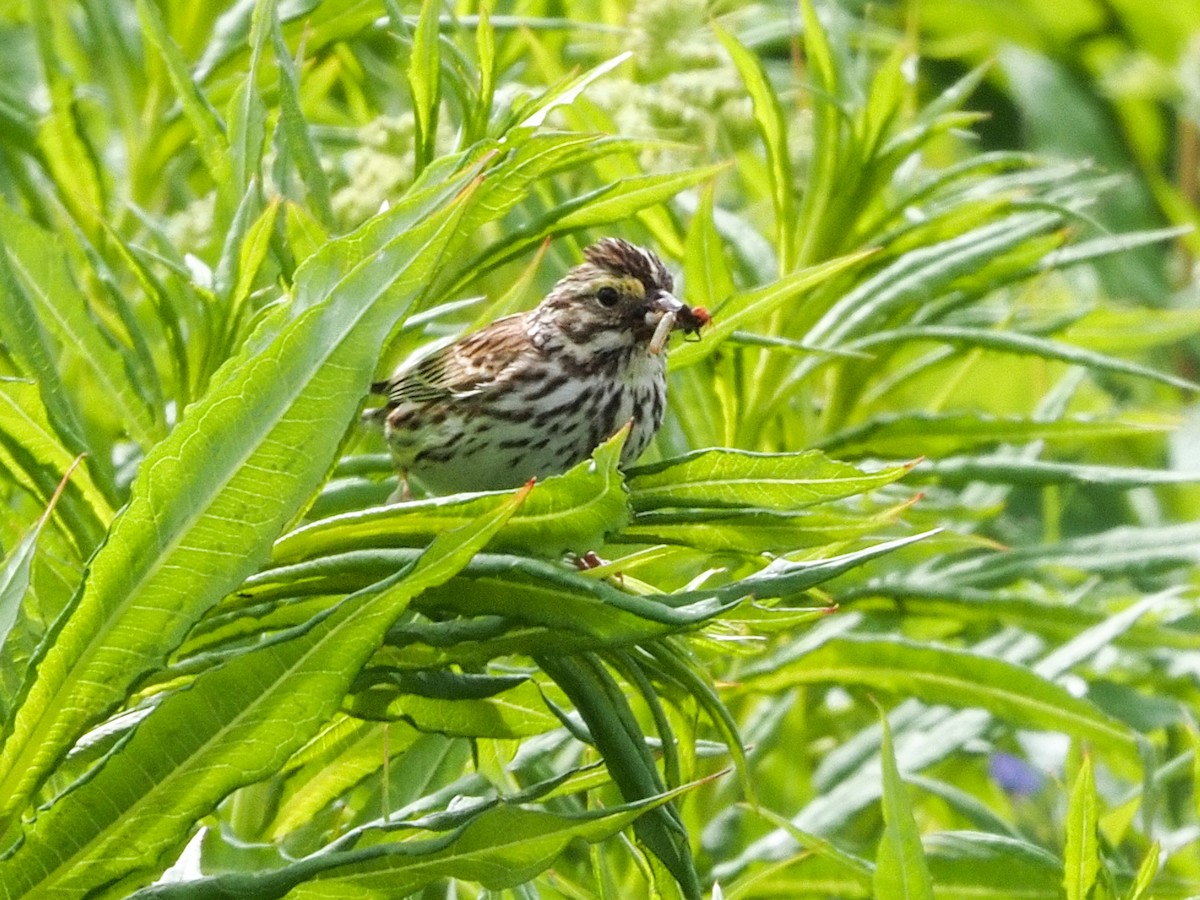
(608, 296)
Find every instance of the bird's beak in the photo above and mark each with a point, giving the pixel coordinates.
(662, 304)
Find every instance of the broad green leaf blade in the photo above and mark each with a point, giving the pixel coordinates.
(757, 531)
(572, 512)
(236, 724)
(738, 479)
(901, 872)
(202, 516)
(515, 713)
(500, 847)
(1081, 862)
(942, 675)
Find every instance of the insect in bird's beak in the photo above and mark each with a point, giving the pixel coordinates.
(667, 313)
(662, 331)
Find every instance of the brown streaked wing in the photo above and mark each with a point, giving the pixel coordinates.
(468, 366)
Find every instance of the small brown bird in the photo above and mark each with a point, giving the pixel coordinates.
(532, 394)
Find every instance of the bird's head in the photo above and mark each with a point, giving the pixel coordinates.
(620, 294)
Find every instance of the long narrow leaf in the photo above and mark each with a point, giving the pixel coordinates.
(201, 516)
(236, 724)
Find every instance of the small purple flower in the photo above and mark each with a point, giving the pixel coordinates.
(1014, 775)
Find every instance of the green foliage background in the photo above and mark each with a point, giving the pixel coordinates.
(902, 602)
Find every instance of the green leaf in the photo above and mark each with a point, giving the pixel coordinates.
(1024, 344)
(485, 53)
(247, 112)
(424, 80)
(601, 207)
(755, 532)
(35, 458)
(619, 738)
(21, 330)
(992, 867)
(773, 129)
(294, 131)
(911, 434)
(1124, 550)
(500, 848)
(513, 713)
(827, 147)
(1146, 873)
(515, 604)
(1111, 245)
(855, 867)
(926, 271)
(1010, 471)
(1130, 331)
(37, 260)
(70, 156)
(201, 515)
(568, 91)
(572, 512)
(208, 128)
(1081, 861)
(14, 584)
(236, 724)
(941, 675)
(344, 753)
(783, 577)
(706, 273)
(737, 479)
(752, 306)
(901, 872)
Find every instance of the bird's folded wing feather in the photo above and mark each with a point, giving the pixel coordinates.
(466, 368)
